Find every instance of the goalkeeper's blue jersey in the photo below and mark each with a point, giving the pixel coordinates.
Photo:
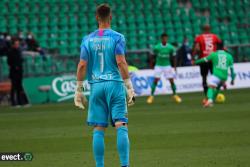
(99, 49)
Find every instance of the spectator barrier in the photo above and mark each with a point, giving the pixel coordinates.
(61, 88)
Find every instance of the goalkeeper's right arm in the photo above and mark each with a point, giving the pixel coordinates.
(80, 100)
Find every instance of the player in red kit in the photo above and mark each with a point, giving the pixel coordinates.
(204, 45)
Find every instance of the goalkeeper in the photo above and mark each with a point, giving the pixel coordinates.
(164, 52)
(103, 59)
(222, 61)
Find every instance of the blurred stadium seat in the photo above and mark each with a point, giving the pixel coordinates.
(61, 24)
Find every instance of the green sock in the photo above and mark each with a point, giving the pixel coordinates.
(153, 88)
(210, 93)
(173, 88)
(216, 91)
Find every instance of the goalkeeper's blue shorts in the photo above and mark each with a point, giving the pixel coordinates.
(107, 102)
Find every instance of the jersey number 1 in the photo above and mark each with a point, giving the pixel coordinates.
(101, 58)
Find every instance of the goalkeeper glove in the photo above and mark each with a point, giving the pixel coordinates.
(130, 92)
(80, 99)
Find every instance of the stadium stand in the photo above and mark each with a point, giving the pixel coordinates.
(59, 25)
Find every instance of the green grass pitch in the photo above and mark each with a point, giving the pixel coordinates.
(163, 134)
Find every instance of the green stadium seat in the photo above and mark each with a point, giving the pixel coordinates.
(216, 29)
(176, 18)
(63, 8)
(13, 30)
(43, 43)
(82, 6)
(130, 19)
(32, 21)
(63, 36)
(72, 20)
(3, 10)
(3, 22)
(169, 25)
(63, 29)
(225, 36)
(52, 21)
(52, 43)
(44, 30)
(48, 65)
(82, 20)
(38, 66)
(22, 8)
(157, 17)
(63, 47)
(61, 24)
(204, 5)
(22, 22)
(234, 38)
(244, 38)
(43, 21)
(63, 21)
(29, 63)
(132, 27)
(141, 26)
(147, 6)
(33, 9)
(150, 26)
(73, 50)
(196, 3)
(71, 66)
(166, 17)
(3, 29)
(4, 66)
(42, 36)
(12, 21)
(34, 30)
(151, 34)
(179, 39)
(60, 67)
(53, 8)
(73, 29)
(12, 8)
(139, 18)
(159, 26)
(138, 5)
(178, 25)
(93, 26)
(74, 8)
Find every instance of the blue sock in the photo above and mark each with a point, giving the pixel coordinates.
(98, 147)
(123, 145)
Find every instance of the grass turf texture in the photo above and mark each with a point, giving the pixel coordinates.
(162, 134)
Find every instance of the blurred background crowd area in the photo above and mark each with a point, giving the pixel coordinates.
(50, 31)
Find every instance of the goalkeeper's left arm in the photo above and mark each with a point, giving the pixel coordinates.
(123, 67)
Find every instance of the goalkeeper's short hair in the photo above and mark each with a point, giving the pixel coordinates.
(103, 11)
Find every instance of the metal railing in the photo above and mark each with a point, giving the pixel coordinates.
(238, 52)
